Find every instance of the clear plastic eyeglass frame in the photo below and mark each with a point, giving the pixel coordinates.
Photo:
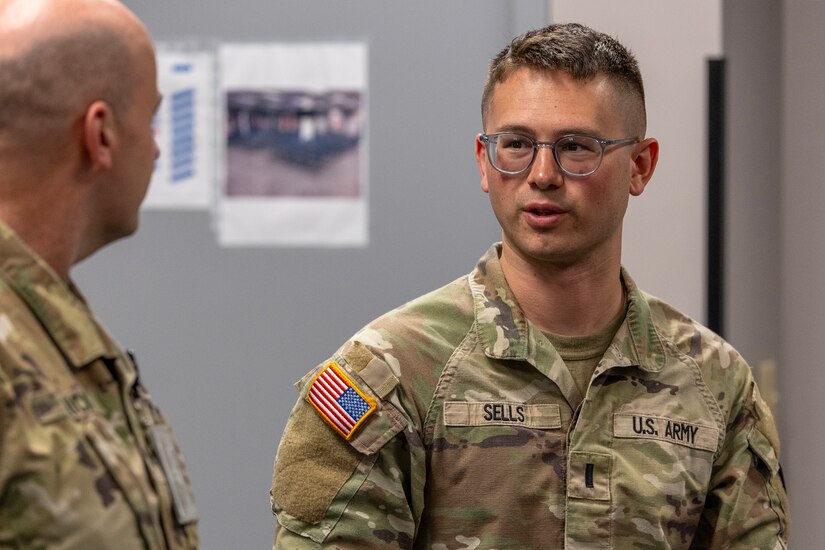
(490, 142)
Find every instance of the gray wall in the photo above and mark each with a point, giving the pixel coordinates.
(752, 38)
(222, 334)
(776, 248)
(802, 264)
(753, 50)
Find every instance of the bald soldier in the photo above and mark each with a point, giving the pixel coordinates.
(543, 400)
(86, 459)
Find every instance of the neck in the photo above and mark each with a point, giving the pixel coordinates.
(47, 216)
(53, 246)
(568, 300)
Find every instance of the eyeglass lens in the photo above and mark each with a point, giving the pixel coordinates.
(575, 154)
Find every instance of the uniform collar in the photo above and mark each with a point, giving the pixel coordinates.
(637, 342)
(505, 332)
(56, 303)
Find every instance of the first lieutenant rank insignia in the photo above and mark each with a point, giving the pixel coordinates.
(339, 401)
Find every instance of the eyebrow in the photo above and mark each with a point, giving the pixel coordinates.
(528, 131)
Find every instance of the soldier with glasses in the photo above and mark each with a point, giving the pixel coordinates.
(543, 400)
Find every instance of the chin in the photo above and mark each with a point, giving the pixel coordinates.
(556, 256)
(544, 251)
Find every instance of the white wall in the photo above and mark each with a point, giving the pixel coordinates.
(664, 235)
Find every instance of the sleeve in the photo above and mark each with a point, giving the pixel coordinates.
(358, 490)
(746, 506)
(6, 405)
(10, 453)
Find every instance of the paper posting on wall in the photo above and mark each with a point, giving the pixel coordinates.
(185, 130)
(293, 167)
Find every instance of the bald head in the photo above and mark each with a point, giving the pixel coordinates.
(56, 58)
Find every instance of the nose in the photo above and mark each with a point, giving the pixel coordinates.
(545, 172)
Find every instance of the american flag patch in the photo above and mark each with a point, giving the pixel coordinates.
(340, 403)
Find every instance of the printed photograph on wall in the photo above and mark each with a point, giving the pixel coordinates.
(295, 145)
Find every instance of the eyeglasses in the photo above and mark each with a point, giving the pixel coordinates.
(576, 155)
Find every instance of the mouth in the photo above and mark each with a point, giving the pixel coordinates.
(543, 216)
(543, 209)
(542, 212)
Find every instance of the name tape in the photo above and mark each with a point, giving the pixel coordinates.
(537, 415)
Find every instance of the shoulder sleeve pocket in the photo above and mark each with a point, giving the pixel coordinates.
(319, 469)
(345, 398)
(767, 463)
(764, 452)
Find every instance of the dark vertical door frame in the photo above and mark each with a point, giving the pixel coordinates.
(716, 195)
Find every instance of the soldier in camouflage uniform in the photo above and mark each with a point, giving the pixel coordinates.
(542, 401)
(86, 460)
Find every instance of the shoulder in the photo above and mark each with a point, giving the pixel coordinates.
(437, 318)
(692, 338)
(22, 337)
(398, 358)
(724, 370)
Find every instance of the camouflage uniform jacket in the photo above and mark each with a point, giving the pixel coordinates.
(83, 451)
(474, 436)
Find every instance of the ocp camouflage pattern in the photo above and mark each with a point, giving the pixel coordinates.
(482, 440)
(77, 469)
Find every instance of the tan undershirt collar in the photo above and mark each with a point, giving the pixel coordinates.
(582, 354)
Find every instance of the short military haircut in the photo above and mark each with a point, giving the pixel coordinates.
(43, 87)
(581, 52)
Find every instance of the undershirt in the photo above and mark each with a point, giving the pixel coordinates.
(582, 354)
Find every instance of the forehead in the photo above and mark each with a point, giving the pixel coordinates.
(553, 102)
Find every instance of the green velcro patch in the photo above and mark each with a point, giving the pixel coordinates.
(374, 371)
(357, 355)
(313, 463)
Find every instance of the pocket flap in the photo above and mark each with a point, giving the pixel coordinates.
(762, 448)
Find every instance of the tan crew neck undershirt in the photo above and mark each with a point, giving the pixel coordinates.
(582, 354)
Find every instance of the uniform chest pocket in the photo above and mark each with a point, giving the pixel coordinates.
(76, 484)
(660, 474)
(120, 476)
(674, 456)
(496, 467)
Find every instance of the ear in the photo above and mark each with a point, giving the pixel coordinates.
(644, 164)
(98, 135)
(481, 160)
